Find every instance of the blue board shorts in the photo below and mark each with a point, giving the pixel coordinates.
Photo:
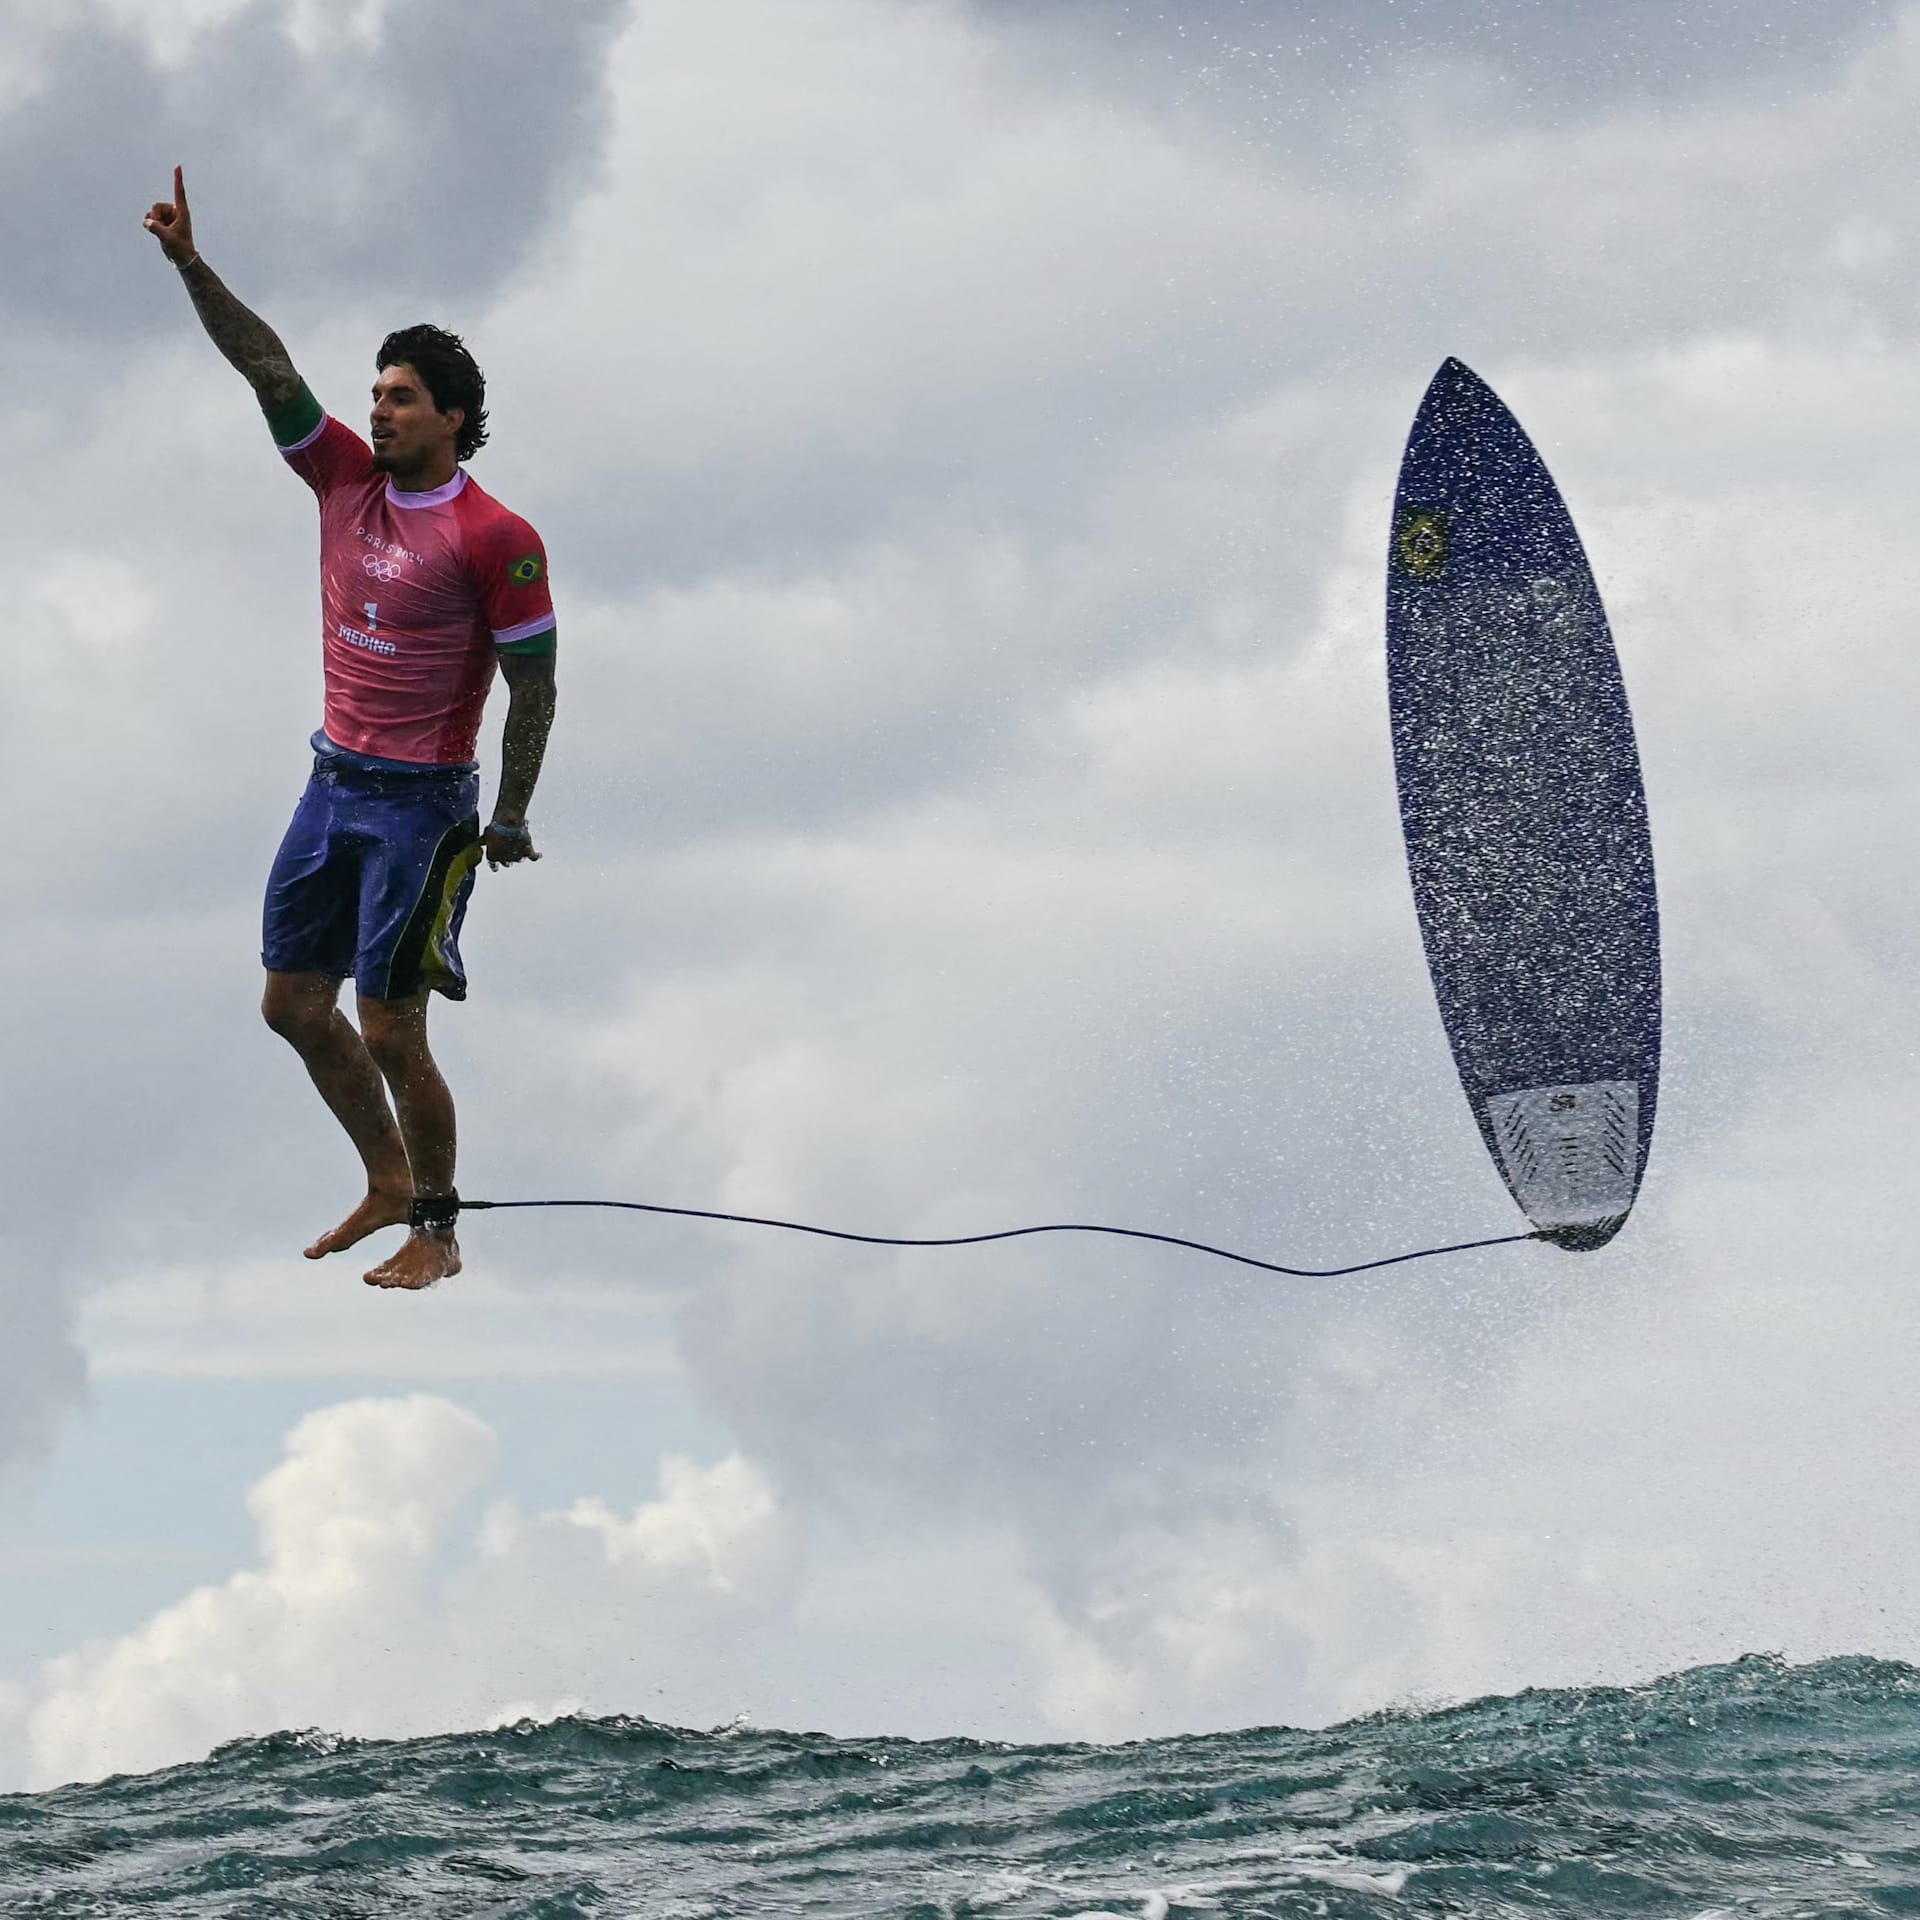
(373, 877)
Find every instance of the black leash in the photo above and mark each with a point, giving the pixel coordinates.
(451, 1205)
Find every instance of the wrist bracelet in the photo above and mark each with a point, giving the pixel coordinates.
(521, 832)
(180, 266)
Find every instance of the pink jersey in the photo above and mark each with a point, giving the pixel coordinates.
(417, 590)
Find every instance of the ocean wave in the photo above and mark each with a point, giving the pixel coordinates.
(1755, 1787)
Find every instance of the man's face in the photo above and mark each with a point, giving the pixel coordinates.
(408, 431)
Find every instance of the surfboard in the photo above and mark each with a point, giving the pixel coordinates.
(1524, 814)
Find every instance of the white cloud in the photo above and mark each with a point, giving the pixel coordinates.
(171, 30)
(713, 1520)
(370, 1612)
(912, 268)
(270, 1319)
(315, 25)
(972, 804)
(348, 1526)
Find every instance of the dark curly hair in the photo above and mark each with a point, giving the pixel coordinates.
(451, 374)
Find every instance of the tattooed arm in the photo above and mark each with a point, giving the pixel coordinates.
(251, 347)
(530, 702)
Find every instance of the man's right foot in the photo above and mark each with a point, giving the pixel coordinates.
(377, 1210)
(422, 1259)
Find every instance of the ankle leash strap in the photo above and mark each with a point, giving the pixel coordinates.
(433, 1212)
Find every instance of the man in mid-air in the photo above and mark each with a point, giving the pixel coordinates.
(426, 583)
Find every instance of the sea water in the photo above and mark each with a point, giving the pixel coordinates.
(1753, 1788)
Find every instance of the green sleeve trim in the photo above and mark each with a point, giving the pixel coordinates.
(297, 420)
(535, 645)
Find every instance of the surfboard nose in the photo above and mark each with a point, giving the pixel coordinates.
(1457, 381)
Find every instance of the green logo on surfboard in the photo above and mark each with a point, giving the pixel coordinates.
(1420, 543)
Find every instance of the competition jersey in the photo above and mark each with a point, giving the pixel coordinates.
(417, 593)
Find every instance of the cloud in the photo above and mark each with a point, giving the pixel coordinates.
(348, 1523)
(972, 804)
(324, 147)
(369, 1612)
(1268, 61)
(978, 285)
(257, 1321)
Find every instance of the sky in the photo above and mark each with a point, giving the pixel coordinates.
(963, 432)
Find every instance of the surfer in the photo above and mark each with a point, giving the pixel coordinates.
(426, 583)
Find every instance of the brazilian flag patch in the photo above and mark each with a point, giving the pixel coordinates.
(523, 573)
(1420, 543)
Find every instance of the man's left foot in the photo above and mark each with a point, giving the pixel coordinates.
(423, 1258)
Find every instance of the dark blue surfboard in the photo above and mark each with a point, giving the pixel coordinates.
(1524, 814)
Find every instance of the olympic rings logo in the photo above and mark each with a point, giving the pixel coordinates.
(379, 568)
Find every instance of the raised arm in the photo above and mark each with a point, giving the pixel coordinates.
(251, 347)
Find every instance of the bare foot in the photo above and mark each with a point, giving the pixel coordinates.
(377, 1210)
(423, 1258)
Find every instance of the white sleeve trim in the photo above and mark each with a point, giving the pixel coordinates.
(300, 446)
(506, 636)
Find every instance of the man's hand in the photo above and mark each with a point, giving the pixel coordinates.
(172, 225)
(507, 846)
(248, 344)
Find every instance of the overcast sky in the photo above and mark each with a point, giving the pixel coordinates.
(964, 436)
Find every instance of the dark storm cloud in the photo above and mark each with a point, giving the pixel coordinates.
(425, 163)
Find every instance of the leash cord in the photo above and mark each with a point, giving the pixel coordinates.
(1009, 1233)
